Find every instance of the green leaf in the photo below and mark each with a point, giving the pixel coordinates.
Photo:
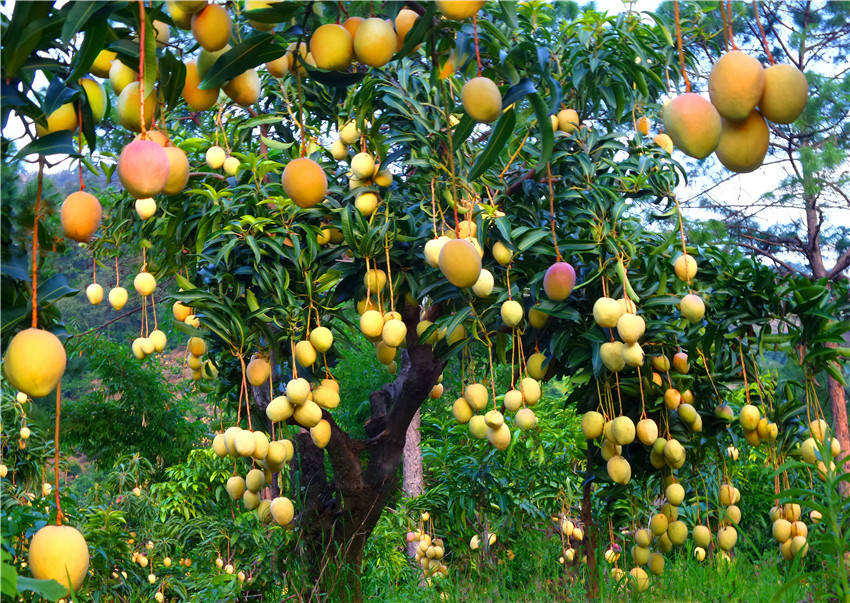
(76, 19)
(547, 137)
(150, 55)
(251, 52)
(56, 143)
(49, 589)
(29, 24)
(499, 137)
(462, 131)
(276, 144)
(172, 78)
(509, 13)
(275, 13)
(93, 43)
(183, 282)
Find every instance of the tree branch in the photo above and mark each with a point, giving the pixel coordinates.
(788, 267)
(842, 263)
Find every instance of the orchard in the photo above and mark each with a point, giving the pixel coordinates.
(345, 301)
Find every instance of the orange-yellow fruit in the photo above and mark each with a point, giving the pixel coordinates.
(352, 24)
(280, 66)
(120, 76)
(197, 99)
(305, 182)
(735, 85)
(258, 371)
(559, 280)
(693, 124)
(404, 21)
(332, 47)
(685, 267)
(207, 59)
(96, 98)
(181, 18)
(178, 171)
(692, 307)
(642, 125)
(375, 42)
(63, 118)
(459, 9)
(80, 216)
(143, 168)
(59, 553)
(211, 27)
(785, 94)
(244, 89)
(34, 362)
(568, 120)
(129, 108)
(664, 141)
(460, 263)
(743, 145)
(481, 99)
(102, 63)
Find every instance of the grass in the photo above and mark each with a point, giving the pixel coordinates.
(754, 579)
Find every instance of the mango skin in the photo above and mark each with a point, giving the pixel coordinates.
(735, 85)
(743, 145)
(786, 92)
(693, 125)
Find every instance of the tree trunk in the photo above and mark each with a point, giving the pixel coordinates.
(589, 530)
(838, 408)
(412, 485)
(337, 510)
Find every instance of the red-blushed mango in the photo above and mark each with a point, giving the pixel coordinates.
(63, 118)
(244, 89)
(129, 108)
(459, 9)
(785, 94)
(743, 145)
(178, 172)
(559, 280)
(693, 124)
(735, 85)
(481, 99)
(404, 21)
(211, 27)
(34, 362)
(143, 168)
(332, 47)
(460, 263)
(197, 99)
(305, 182)
(80, 216)
(375, 42)
(96, 98)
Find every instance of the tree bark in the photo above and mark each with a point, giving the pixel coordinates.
(838, 408)
(412, 483)
(338, 511)
(589, 530)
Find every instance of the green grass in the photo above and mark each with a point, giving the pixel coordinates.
(754, 579)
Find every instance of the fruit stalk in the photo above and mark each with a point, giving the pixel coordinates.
(56, 456)
(35, 242)
(679, 45)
